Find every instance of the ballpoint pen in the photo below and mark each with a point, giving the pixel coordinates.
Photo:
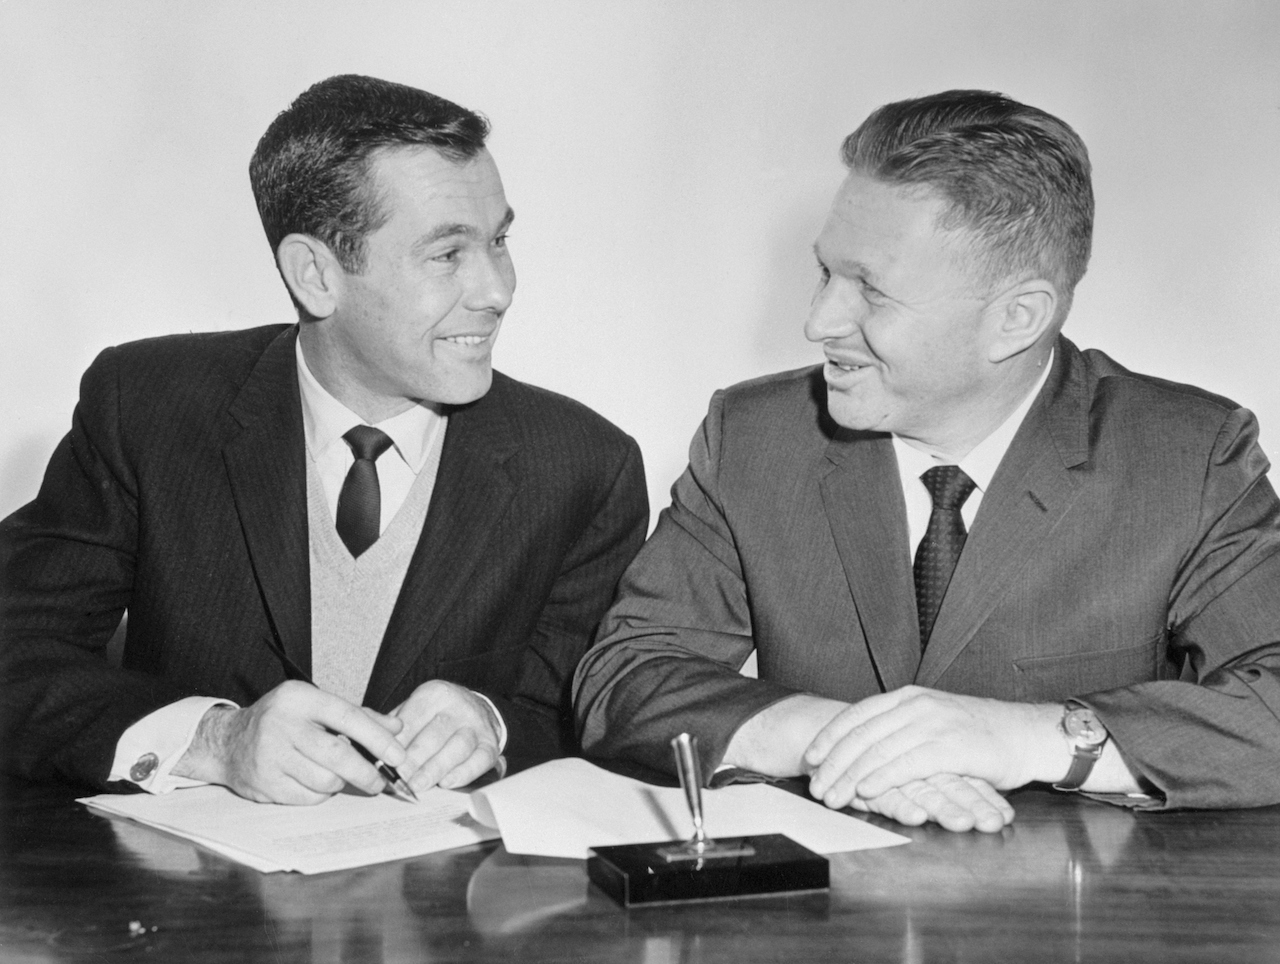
(396, 784)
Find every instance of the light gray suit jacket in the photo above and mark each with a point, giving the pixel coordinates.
(1127, 554)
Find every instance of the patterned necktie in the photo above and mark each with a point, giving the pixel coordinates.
(360, 502)
(940, 548)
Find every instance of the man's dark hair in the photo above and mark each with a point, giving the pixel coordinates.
(1014, 177)
(310, 169)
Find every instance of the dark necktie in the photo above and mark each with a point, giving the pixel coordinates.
(360, 502)
(940, 548)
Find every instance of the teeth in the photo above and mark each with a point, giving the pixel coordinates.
(469, 340)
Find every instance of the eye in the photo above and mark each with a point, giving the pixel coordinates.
(501, 241)
(447, 257)
(870, 291)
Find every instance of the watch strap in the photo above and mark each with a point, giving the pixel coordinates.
(1082, 760)
(1083, 755)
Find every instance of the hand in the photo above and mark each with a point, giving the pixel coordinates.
(773, 741)
(450, 736)
(957, 803)
(913, 733)
(289, 746)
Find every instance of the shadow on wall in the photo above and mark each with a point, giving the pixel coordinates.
(22, 468)
(789, 283)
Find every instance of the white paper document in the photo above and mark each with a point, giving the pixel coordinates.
(347, 830)
(565, 807)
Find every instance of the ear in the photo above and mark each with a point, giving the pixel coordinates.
(1019, 317)
(311, 272)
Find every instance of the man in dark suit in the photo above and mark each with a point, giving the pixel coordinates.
(968, 555)
(357, 500)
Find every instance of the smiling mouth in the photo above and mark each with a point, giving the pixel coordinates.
(471, 341)
(845, 366)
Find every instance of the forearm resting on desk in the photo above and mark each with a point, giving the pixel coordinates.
(917, 754)
(913, 733)
(773, 742)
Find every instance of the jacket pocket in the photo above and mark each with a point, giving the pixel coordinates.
(1050, 678)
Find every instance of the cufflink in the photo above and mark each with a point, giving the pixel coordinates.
(145, 766)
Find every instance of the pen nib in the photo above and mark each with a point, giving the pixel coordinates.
(397, 785)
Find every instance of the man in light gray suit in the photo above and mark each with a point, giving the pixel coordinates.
(968, 555)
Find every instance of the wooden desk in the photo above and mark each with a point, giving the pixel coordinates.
(1071, 880)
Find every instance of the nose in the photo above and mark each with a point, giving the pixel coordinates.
(834, 313)
(492, 283)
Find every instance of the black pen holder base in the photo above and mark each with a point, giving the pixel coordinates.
(767, 864)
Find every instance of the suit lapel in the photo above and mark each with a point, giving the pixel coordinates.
(266, 466)
(1031, 491)
(477, 478)
(862, 495)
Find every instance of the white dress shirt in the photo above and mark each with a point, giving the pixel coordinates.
(980, 465)
(325, 420)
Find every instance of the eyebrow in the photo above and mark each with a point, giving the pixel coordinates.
(848, 267)
(458, 229)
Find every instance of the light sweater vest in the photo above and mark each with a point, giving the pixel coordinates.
(352, 599)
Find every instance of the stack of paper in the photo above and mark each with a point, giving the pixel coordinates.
(346, 830)
(565, 807)
(558, 809)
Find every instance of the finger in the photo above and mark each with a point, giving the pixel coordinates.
(333, 755)
(961, 804)
(483, 759)
(283, 776)
(388, 721)
(850, 719)
(998, 803)
(425, 701)
(910, 754)
(449, 754)
(305, 780)
(359, 725)
(944, 808)
(425, 743)
(891, 744)
(896, 805)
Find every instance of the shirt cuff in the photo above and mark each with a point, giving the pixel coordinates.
(152, 747)
(502, 724)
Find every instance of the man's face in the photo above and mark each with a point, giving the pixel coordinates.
(899, 317)
(419, 322)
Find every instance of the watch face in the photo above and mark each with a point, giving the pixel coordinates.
(1083, 726)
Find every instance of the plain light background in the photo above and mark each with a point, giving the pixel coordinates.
(670, 163)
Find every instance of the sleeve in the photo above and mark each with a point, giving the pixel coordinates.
(535, 711)
(669, 650)
(66, 577)
(149, 750)
(1212, 737)
(497, 715)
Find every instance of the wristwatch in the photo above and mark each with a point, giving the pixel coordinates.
(1086, 736)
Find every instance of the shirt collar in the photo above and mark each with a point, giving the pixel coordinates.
(981, 463)
(325, 420)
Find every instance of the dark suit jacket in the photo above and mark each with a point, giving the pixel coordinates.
(180, 495)
(1127, 553)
